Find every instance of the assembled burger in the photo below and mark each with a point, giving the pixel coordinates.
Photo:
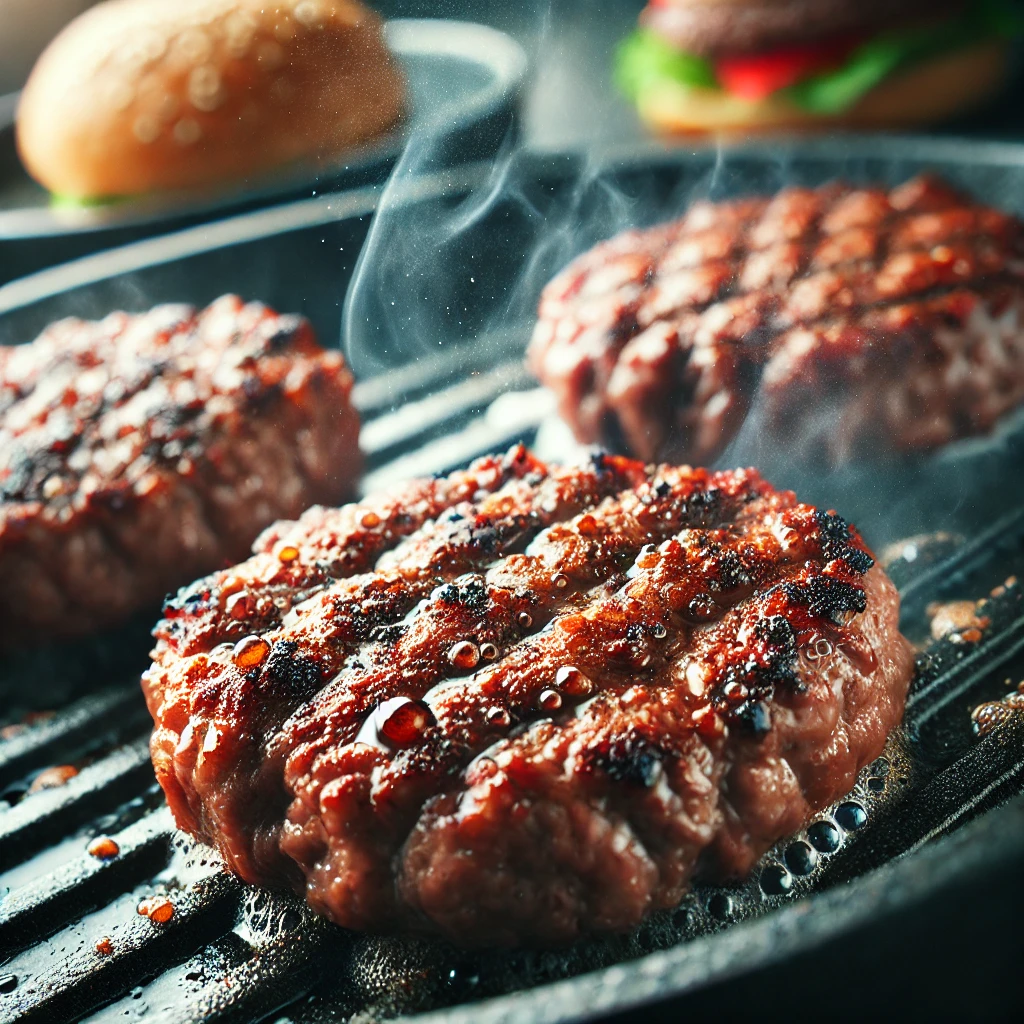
(748, 65)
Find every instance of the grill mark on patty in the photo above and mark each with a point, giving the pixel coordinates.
(661, 335)
(558, 569)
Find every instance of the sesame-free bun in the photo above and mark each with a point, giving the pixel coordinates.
(924, 93)
(137, 96)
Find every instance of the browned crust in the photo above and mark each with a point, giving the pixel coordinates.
(143, 450)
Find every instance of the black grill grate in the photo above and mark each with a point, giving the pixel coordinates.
(72, 941)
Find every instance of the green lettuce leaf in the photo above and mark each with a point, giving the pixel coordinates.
(835, 91)
(644, 58)
(59, 201)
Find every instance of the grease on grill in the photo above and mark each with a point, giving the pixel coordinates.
(157, 908)
(988, 717)
(960, 621)
(52, 778)
(103, 848)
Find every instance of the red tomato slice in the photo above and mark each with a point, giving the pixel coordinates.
(757, 76)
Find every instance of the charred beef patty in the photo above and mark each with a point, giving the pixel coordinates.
(712, 27)
(525, 702)
(143, 450)
(861, 320)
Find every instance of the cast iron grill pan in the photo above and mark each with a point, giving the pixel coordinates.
(939, 809)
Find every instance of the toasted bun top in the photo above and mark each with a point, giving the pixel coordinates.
(142, 95)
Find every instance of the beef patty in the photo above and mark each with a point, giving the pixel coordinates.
(525, 702)
(143, 450)
(860, 320)
(725, 27)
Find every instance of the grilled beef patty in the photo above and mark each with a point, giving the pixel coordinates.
(525, 702)
(859, 320)
(143, 450)
(712, 27)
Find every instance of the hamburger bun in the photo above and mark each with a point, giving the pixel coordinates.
(137, 96)
(930, 91)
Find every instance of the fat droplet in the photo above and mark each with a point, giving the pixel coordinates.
(369, 520)
(288, 553)
(525, 620)
(161, 911)
(157, 909)
(104, 946)
(560, 580)
(499, 718)
(237, 605)
(549, 700)
(402, 721)
(658, 631)
(572, 681)
(465, 655)
(488, 652)
(250, 652)
(103, 848)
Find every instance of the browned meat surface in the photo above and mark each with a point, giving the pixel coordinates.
(711, 27)
(849, 320)
(525, 702)
(143, 450)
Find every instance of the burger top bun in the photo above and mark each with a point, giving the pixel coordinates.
(137, 96)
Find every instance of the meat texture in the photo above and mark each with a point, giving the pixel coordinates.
(849, 320)
(525, 702)
(713, 28)
(141, 451)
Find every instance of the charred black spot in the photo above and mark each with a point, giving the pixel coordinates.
(731, 575)
(468, 592)
(390, 634)
(630, 757)
(290, 673)
(777, 631)
(835, 542)
(754, 716)
(702, 508)
(826, 596)
(598, 459)
(661, 488)
(636, 633)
